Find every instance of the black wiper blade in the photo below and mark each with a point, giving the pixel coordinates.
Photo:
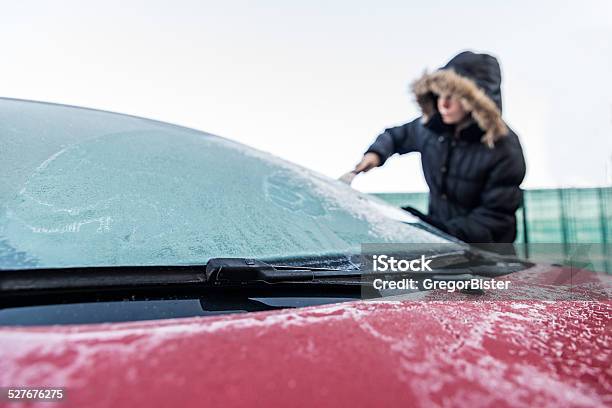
(216, 271)
(231, 271)
(213, 273)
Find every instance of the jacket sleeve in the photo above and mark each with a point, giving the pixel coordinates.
(401, 139)
(500, 199)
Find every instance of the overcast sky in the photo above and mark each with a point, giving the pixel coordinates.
(315, 82)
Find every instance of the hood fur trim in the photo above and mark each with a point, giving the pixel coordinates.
(473, 99)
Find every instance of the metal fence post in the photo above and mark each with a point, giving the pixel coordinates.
(564, 232)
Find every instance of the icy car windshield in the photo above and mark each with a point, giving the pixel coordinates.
(82, 187)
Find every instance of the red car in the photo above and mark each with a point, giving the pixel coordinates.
(147, 264)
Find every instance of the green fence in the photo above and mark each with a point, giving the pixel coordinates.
(567, 217)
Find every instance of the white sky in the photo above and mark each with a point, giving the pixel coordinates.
(315, 82)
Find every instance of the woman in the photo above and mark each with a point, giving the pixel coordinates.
(472, 161)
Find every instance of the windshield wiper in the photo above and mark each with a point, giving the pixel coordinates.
(231, 272)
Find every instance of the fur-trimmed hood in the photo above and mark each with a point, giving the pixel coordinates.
(476, 80)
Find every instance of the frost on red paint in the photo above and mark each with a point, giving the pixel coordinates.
(412, 351)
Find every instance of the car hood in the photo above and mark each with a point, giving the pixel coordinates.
(549, 349)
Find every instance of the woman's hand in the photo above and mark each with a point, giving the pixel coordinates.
(369, 161)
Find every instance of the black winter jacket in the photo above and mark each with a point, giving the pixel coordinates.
(473, 173)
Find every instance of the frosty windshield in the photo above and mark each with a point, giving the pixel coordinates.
(82, 187)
